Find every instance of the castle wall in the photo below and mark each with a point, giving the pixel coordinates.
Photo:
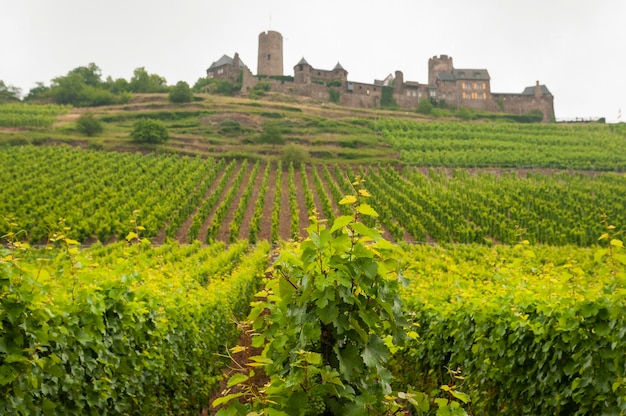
(522, 104)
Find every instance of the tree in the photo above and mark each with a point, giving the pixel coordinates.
(9, 93)
(40, 92)
(88, 125)
(181, 93)
(143, 82)
(149, 130)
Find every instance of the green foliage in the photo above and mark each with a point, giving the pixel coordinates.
(425, 106)
(148, 130)
(81, 87)
(8, 93)
(30, 115)
(230, 128)
(89, 125)
(326, 320)
(121, 329)
(334, 95)
(536, 330)
(38, 93)
(504, 144)
(271, 134)
(386, 98)
(295, 154)
(181, 93)
(143, 82)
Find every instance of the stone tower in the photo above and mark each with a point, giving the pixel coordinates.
(436, 64)
(270, 53)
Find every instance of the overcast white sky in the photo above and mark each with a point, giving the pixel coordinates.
(577, 48)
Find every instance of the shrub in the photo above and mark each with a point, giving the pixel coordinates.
(148, 130)
(295, 154)
(425, 106)
(89, 125)
(181, 93)
(271, 134)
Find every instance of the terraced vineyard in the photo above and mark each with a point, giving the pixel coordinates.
(98, 194)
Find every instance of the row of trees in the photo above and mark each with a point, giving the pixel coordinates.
(84, 87)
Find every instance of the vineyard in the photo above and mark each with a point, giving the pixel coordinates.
(188, 199)
(125, 276)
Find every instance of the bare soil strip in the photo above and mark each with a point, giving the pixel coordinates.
(224, 231)
(204, 230)
(181, 234)
(284, 222)
(316, 197)
(302, 209)
(334, 203)
(244, 230)
(266, 220)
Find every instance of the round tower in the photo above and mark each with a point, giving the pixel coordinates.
(270, 53)
(436, 64)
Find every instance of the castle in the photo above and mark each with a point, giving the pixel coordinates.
(461, 88)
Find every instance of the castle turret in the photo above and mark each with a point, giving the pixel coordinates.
(270, 60)
(437, 64)
(399, 81)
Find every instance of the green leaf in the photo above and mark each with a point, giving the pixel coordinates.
(464, 397)
(617, 243)
(341, 222)
(375, 353)
(365, 209)
(350, 199)
(237, 378)
(225, 399)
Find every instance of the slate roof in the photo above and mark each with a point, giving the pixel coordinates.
(465, 74)
(224, 60)
(471, 74)
(338, 66)
(531, 90)
(303, 62)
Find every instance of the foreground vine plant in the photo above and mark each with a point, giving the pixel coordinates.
(326, 320)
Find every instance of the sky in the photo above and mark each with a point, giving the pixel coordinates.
(577, 48)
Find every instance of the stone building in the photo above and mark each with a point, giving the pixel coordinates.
(460, 88)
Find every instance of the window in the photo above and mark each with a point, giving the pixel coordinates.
(301, 67)
(268, 56)
(220, 71)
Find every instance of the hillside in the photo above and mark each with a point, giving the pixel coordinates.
(218, 126)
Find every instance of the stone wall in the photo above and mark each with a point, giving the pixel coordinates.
(522, 104)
